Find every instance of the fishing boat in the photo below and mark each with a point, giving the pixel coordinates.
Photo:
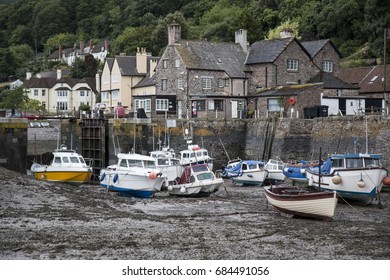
(292, 201)
(232, 169)
(195, 155)
(134, 175)
(167, 163)
(196, 180)
(275, 171)
(67, 166)
(353, 176)
(250, 173)
(297, 171)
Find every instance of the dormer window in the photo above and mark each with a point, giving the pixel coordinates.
(177, 62)
(292, 64)
(327, 66)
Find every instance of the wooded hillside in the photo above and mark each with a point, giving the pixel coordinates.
(31, 27)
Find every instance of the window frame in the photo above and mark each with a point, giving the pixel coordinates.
(292, 64)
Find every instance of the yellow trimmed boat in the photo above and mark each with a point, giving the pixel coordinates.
(67, 166)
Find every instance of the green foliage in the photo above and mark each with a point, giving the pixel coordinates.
(45, 24)
(13, 98)
(287, 25)
(65, 40)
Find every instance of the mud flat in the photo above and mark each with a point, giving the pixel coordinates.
(41, 220)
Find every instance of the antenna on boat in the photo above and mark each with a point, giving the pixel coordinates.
(366, 136)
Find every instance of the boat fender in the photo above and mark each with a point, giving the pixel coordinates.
(336, 179)
(170, 188)
(386, 181)
(361, 183)
(292, 100)
(310, 183)
(303, 171)
(103, 176)
(152, 175)
(115, 179)
(182, 189)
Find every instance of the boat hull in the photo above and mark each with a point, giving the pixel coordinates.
(76, 177)
(250, 178)
(198, 189)
(355, 184)
(134, 184)
(319, 205)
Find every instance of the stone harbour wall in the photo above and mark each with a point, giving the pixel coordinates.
(288, 139)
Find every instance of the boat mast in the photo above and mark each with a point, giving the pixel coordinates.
(319, 170)
(366, 136)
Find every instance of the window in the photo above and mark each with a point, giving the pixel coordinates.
(200, 105)
(164, 83)
(62, 93)
(43, 92)
(292, 64)
(226, 82)
(105, 95)
(82, 93)
(35, 92)
(327, 66)
(143, 103)
(161, 104)
(63, 106)
(115, 94)
(221, 82)
(206, 83)
(338, 92)
(74, 160)
(273, 105)
(180, 84)
(218, 105)
(165, 63)
(106, 79)
(44, 105)
(115, 78)
(177, 62)
(65, 160)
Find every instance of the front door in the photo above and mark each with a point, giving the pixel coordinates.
(234, 109)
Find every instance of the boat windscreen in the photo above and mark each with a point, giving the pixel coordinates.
(199, 168)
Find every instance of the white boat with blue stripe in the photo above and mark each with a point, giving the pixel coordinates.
(135, 175)
(352, 176)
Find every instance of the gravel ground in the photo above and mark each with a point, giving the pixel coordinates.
(41, 220)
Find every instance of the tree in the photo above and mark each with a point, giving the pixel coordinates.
(7, 64)
(13, 98)
(131, 38)
(77, 69)
(60, 39)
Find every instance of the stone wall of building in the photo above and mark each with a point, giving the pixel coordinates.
(13, 147)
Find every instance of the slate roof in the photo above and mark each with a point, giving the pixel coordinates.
(314, 47)
(372, 82)
(147, 81)
(35, 82)
(331, 82)
(353, 75)
(203, 55)
(128, 65)
(97, 48)
(110, 62)
(288, 90)
(267, 51)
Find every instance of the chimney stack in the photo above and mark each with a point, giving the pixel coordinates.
(152, 67)
(174, 34)
(59, 74)
(141, 60)
(60, 52)
(286, 33)
(241, 38)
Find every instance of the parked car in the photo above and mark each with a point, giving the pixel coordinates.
(29, 116)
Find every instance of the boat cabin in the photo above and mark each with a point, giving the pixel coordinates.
(355, 160)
